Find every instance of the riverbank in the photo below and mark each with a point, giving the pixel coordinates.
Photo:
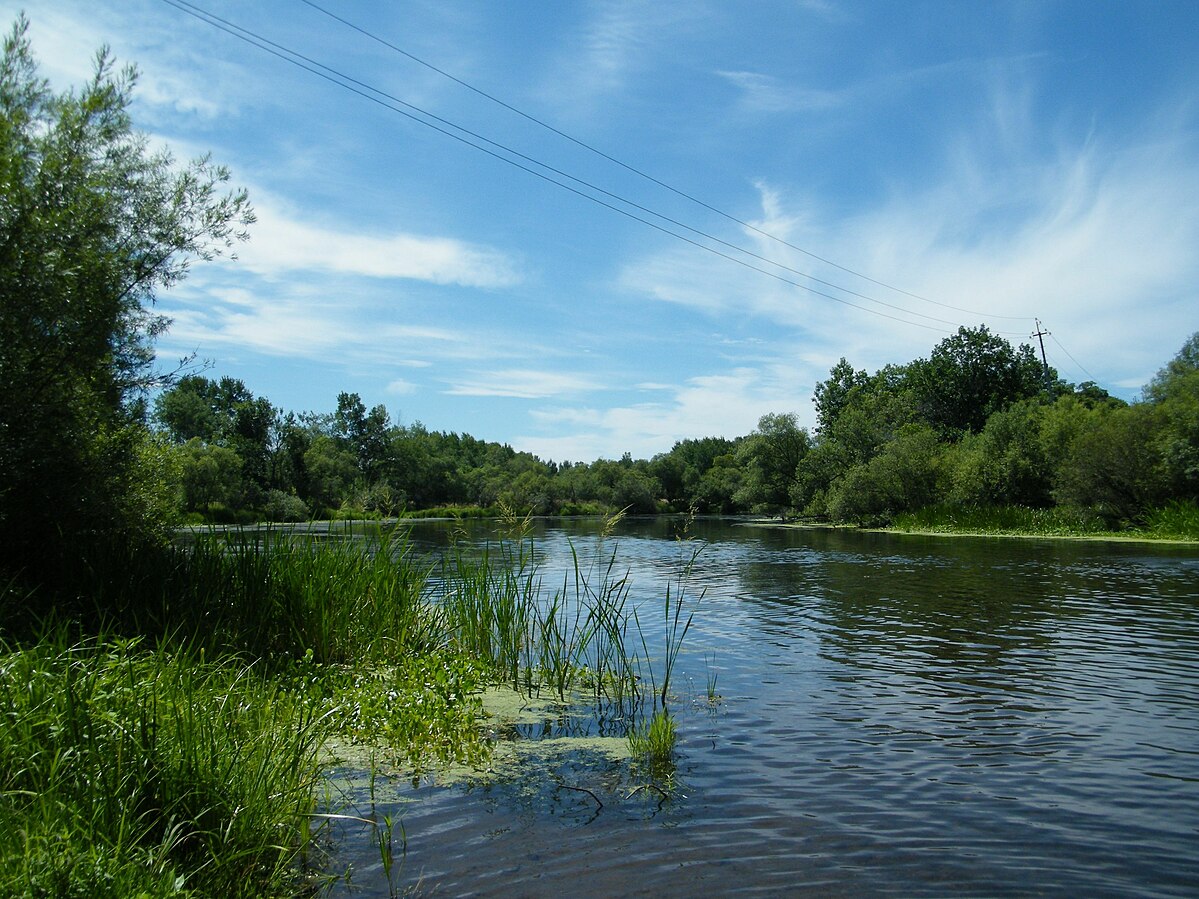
(181, 742)
(1102, 537)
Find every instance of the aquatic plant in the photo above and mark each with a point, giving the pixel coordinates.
(652, 743)
(190, 757)
(1059, 521)
(675, 628)
(712, 677)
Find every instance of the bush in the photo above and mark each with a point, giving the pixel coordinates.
(904, 476)
(282, 506)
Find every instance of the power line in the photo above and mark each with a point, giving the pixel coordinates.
(642, 174)
(374, 95)
(1072, 359)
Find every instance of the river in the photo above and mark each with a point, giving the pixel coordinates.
(897, 715)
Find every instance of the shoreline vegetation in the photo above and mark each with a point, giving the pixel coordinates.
(182, 742)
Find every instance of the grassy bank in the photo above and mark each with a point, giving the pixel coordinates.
(165, 733)
(1177, 521)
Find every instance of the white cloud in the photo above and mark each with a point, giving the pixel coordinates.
(401, 387)
(617, 40)
(761, 93)
(1077, 238)
(727, 404)
(294, 326)
(282, 243)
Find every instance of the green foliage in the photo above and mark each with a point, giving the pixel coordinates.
(1114, 465)
(92, 224)
(1177, 520)
(972, 375)
(423, 710)
(1004, 464)
(209, 475)
(770, 457)
(127, 772)
(1174, 391)
(904, 476)
(1061, 521)
(282, 506)
(652, 743)
(831, 397)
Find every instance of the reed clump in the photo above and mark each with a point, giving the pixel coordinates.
(652, 743)
(1059, 521)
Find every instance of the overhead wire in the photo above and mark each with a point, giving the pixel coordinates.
(374, 95)
(648, 177)
(1072, 359)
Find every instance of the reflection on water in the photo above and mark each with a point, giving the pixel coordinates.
(901, 715)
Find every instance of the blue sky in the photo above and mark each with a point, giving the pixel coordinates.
(978, 162)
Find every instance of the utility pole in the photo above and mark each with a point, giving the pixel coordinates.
(1040, 335)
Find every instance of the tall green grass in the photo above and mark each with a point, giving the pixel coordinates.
(128, 772)
(576, 637)
(1058, 521)
(1177, 521)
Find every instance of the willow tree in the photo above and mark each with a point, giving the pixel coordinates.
(94, 223)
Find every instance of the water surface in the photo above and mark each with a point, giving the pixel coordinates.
(899, 715)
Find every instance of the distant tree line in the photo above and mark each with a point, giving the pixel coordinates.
(976, 423)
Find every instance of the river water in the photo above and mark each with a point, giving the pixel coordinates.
(897, 715)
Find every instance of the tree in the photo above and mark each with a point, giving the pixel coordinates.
(770, 457)
(92, 225)
(224, 413)
(971, 375)
(832, 396)
(1114, 464)
(209, 474)
(1176, 372)
(363, 433)
(1005, 463)
(1174, 391)
(904, 477)
(331, 470)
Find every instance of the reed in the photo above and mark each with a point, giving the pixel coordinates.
(675, 627)
(1178, 520)
(180, 750)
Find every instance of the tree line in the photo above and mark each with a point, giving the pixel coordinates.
(977, 423)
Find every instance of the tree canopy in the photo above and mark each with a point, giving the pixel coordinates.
(93, 223)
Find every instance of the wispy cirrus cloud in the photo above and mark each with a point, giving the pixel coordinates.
(310, 328)
(521, 383)
(1075, 234)
(616, 40)
(767, 94)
